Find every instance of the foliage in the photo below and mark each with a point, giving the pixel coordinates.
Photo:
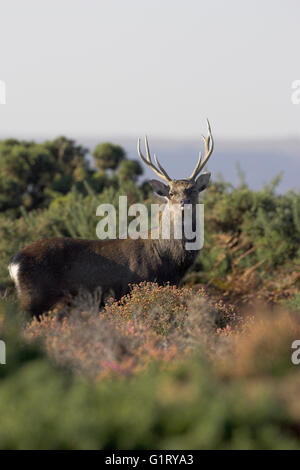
(27, 169)
(248, 235)
(164, 367)
(149, 324)
(32, 175)
(130, 170)
(294, 302)
(226, 398)
(108, 156)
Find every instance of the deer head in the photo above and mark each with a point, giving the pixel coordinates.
(183, 191)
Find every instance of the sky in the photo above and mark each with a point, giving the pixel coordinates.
(129, 67)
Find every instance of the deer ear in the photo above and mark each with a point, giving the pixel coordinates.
(159, 188)
(202, 181)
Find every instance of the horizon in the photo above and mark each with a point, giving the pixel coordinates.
(260, 160)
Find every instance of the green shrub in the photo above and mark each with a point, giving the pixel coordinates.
(184, 405)
(245, 229)
(294, 302)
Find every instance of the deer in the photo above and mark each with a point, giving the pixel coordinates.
(48, 270)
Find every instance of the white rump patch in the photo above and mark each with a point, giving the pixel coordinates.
(14, 272)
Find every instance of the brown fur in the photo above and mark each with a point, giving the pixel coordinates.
(49, 269)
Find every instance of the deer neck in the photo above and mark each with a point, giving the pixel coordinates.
(172, 241)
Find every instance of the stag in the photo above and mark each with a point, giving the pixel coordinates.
(50, 269)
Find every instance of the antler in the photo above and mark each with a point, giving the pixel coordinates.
(159, 171)
(209, 146)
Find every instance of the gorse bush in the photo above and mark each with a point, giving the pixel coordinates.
(33, 174)
(30, 172)
(248, 232)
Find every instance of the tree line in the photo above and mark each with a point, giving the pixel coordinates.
(33, 174)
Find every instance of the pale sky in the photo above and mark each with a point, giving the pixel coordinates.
(126, 67)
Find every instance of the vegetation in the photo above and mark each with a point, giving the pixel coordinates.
(207, 365)
(108, 156)
(134, 376)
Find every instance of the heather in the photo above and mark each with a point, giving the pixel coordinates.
(208, 379)
(152, 323)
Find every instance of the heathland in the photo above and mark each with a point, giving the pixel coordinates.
(207, 365)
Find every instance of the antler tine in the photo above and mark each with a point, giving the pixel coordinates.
(140, 152)
(147, 150)
(209, 146)
(159, 171)
(161, 168)
(196, 170)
